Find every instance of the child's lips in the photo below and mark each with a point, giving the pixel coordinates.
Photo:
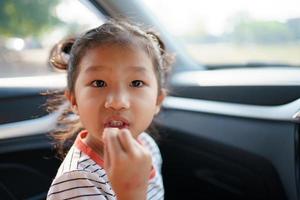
(116, 122)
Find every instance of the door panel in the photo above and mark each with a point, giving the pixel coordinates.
(18, 104)
(251, 95)
(237, 157)
(231, 137)
(27, 167)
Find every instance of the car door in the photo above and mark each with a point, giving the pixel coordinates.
(241, 146)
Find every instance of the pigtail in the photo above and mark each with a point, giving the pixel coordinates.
(167, 58)
(163, 58)
(60, 54)
(157, 39)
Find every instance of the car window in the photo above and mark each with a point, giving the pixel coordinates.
(28, 30)
(234, 31)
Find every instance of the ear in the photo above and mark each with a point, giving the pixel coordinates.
(71, 97)
(160, 99)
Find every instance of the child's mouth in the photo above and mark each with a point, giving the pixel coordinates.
(116, 124)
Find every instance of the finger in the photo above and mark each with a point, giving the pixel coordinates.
(126, 140)
(137, 143)
(139, 147)
(113, 144)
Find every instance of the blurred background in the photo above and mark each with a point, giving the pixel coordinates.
(29, 28)
(234, 31)
(214, 33)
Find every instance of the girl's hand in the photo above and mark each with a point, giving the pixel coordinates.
(127, 164)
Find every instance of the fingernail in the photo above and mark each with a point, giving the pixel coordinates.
(125, 131)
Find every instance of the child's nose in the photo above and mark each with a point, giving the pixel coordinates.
(117, 101)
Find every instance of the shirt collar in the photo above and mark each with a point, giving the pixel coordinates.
(95, 156)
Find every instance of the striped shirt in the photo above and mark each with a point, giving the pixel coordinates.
(81, 175)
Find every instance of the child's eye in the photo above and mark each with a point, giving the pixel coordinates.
(137, 83)
(98, 83)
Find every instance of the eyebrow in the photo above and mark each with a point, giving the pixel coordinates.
(91, 69)
(103, 68)
(138, 69)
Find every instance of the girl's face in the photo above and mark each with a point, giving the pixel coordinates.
(116, 87)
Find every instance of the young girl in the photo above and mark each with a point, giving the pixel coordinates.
(115, 84)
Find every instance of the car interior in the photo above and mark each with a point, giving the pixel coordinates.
(219, 137)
